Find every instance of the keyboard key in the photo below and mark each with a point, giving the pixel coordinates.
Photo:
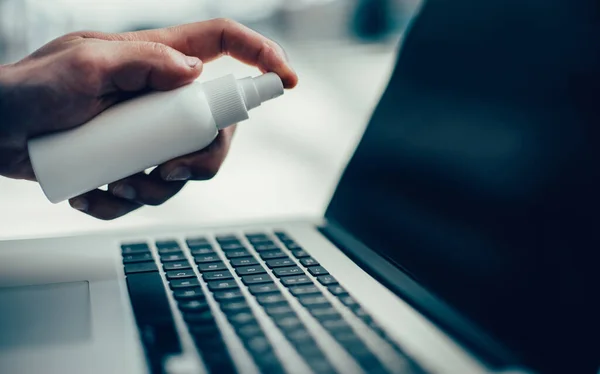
(212, 266)
(376, 328)
(296, 280)
(184, 273)
(321, 366)
(258, 345)
(262, 241)
(214, 275)
(309, 349)
(138, 257)
(140, 267)
(314, 301)
(196, 242)
(228, 295)
(309, 261)
(299, 336)
(324, 314)
(263, 288)
(176, 265)
(276, 311)
(286, 272)
(169, 251)
(227, 238)
(207, 330)
(206, 258)
(269, 363)
(256, 236)
(231, 246)
(183, 283)
(188, 294)
(271, 299)
(335, 325)
(238, 253)
(222, 285)
(256, 269)
(268, 255)
(176, 252)
(193, 305)
(241, 318)
(249, 330)
(317, 270)
(204, 317)
(292, 246)
(266, 246)
(201, 251)
(326, 280)
(300, 253)
(202, 245)
(282, 235)
(280, 263)
(152, 312)
(305, 290)
(266, 241)
(166, 244)
(289, 323)
(172, 257)
(363, 315)
(243, 261)
(232, 307)
(337, 290)
(257, 278)
(349, 302)
(345, 337)
(134, 248)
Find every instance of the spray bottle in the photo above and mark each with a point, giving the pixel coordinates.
(143, 132)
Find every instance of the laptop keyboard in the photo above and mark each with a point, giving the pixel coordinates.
(151, 307)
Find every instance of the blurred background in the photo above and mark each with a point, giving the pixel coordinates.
(286, 159)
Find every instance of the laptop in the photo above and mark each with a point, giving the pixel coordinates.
(443, 249)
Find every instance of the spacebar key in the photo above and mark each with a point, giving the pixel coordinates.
(153, 315)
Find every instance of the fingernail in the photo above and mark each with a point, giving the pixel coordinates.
(124, 191)
(179, 174)
(80, 204)
(192, 61)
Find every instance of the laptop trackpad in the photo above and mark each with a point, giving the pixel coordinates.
(48, 314)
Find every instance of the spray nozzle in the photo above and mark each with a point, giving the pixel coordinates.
(259, 89)
(230, 99)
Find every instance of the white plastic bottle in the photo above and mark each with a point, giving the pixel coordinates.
(144, 132)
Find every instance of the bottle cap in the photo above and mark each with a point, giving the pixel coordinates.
(231, 99)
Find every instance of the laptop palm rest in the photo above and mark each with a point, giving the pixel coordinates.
(45, 315)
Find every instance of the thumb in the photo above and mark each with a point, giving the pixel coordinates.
(135, 66)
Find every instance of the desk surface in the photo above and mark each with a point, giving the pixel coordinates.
(285, 161)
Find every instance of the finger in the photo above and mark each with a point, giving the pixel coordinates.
(209, 40)
(201, 165)
(103, 205)
(146, 189)
(136, 66)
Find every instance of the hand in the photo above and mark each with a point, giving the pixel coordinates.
(73, 78)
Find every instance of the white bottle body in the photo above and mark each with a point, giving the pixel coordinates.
(123, 140)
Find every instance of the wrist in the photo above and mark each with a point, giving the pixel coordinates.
(6, 103)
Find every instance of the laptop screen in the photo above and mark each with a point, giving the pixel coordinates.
(478, 173)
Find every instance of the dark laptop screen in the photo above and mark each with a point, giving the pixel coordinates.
(479, 170)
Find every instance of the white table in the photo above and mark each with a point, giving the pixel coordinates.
(284, 162)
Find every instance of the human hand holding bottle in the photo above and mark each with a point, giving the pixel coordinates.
(73, 78)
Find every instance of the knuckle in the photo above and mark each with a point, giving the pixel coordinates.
(157, 48)
(87, 64)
